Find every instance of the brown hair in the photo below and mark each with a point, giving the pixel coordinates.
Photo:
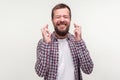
(59, 6)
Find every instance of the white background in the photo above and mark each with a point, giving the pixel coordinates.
(20, 24)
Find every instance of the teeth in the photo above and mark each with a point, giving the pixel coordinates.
(62, 25)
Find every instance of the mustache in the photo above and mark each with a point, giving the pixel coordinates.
(61, 23)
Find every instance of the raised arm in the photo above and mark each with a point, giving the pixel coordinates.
(42, 62)
(85, 61)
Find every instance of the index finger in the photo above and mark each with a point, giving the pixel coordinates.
(76, 26)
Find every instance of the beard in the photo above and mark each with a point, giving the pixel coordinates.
(59, 32)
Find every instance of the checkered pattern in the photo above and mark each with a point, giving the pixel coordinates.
(47, 58)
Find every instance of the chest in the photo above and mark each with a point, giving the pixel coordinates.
(62, 48)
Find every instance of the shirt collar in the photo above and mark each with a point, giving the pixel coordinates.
(69, 37)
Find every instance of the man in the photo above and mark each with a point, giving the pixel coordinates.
(61, 55)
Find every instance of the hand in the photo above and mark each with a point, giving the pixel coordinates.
(46, 34)
(77, 32)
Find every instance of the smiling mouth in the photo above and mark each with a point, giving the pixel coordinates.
(62, 23)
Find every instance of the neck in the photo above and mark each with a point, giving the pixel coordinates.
(61, 37)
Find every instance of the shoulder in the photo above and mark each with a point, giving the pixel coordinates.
(71, 37)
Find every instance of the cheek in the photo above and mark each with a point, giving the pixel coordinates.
(54, 21)
(67, 20)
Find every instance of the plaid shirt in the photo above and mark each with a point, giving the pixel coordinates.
(47, 58)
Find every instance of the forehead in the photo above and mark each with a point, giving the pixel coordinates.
(62, 11)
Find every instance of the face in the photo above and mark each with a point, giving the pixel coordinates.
(61, 21)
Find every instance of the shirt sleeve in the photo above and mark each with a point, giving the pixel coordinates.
(42, 62)
(85, 61)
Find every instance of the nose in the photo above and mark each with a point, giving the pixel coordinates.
(62, 19)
